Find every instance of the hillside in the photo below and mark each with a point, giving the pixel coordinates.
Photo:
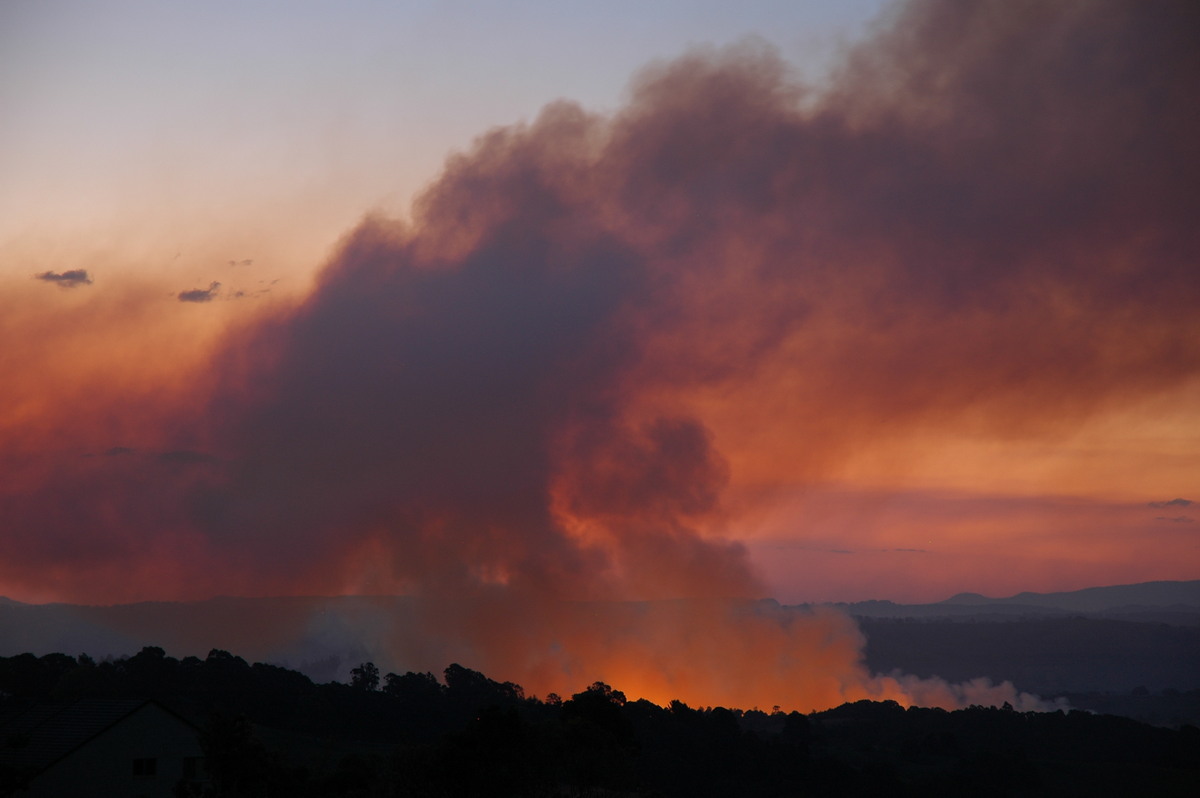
(266, 730)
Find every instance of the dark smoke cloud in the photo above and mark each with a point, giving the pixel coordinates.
(67, 279)
(986, 221)
(200, 294)
(1171, 503)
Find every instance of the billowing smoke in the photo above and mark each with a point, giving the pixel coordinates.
(706, 652)
(525, 400)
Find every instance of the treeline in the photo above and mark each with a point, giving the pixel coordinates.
(267, 730)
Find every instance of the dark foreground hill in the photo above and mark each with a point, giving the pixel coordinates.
(266, 730)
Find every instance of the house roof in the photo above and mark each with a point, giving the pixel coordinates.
(45, 733)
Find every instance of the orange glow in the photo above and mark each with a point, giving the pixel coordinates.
(704, 652)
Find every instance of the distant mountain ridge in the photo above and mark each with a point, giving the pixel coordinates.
(1176, 603)
(1097, 599)
(1128, 643)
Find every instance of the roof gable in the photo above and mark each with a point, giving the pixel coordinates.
(45, 733)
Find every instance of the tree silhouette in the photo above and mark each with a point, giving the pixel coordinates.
(413, 687)
(237, 763)
(365, 677)
(266, 730)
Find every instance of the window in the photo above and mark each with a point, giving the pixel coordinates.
(147, 766)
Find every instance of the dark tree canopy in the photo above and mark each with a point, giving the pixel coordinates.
(365, 677)
(268, 730)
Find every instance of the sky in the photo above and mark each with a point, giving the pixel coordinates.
(811, 301)
(142, 130)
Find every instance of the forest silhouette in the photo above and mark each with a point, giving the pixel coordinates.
(266, 730)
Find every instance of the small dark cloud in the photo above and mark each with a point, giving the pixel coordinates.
(200, 294)
(1171, 503)
(242, 293)
(839, 551)
(67, 279)
(245, 262)
(1179, 519)
(915, 551)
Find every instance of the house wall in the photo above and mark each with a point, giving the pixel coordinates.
(103, 767)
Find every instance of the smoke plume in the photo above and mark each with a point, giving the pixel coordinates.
(532, 396)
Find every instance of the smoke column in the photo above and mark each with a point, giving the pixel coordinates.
(512, 406)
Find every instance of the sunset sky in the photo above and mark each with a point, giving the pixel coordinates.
(817, 301)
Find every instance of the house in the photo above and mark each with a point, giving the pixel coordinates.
(97, 748)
